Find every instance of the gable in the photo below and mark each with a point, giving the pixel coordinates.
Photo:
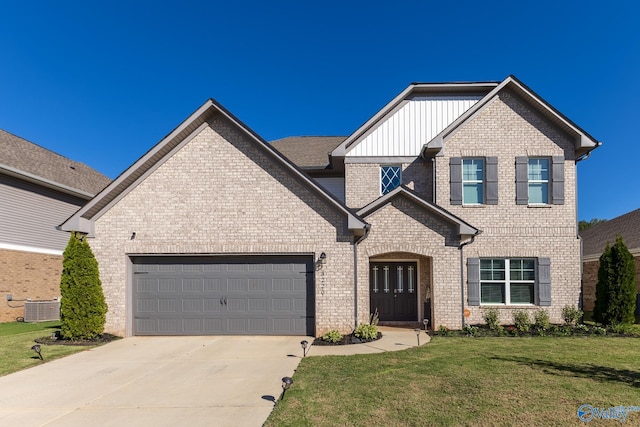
(210, 164)
(417, 120)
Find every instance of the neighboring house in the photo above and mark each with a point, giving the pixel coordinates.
(38, 190)
(452, 198)
(594, 241)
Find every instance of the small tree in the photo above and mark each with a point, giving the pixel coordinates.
(616, 287)
(82, 308)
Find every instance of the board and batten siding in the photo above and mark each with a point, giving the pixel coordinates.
(29, 215)
(414, 124)
(334, 186)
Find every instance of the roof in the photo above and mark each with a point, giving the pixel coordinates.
(308, 151)
(83, 219)
(595, 239)
(26, 160)
(464, 228)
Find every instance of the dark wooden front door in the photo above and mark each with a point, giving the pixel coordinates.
(394, 290)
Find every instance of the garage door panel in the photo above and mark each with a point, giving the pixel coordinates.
(223, 295)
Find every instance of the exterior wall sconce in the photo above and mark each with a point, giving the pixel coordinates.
(133, 235)
(322, 259)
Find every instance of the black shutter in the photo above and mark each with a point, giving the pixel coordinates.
(544, 281)
(473, 280)
(492, 181)
(522, 180)
(455, 180)
(557, 180)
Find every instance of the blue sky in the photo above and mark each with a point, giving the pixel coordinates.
(102, 83)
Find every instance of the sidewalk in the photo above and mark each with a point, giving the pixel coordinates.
(393, 339)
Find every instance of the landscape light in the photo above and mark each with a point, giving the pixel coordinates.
(286, 383)
(36, 348)
(304, 344)
(417, 330)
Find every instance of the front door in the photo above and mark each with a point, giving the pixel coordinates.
(394, 290)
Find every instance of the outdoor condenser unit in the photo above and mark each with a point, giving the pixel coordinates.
(41, 311)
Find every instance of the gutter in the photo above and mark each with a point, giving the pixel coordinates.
(367, 228)
(461, 247)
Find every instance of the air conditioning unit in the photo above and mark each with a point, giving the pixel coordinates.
(41, 311)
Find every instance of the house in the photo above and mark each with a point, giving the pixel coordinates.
(39, 189)
(594, 241)
(452, 198)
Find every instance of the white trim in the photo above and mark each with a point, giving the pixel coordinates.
(33, 249)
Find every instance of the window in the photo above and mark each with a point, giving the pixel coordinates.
(538, 177)
(472, 181)
(390, 178)
(507, 281)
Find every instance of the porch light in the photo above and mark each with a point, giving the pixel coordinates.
(286, 383)
(321, 261)
(417, 330)
(304, 344)
(36, 348)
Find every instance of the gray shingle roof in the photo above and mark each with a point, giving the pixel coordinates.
(308, 151)
(19, 154)
(628, 226)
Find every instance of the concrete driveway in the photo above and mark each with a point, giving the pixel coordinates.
(154, 381)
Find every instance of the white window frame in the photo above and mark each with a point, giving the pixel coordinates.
(507, 282)
(546, 182)
(386, 189)
(474, 181)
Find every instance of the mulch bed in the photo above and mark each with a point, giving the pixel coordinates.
(57, 340)
(346, 340)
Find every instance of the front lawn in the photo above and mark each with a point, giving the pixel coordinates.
(16, 339)
(467, 381)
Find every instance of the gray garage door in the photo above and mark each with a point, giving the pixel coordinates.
(223, 296)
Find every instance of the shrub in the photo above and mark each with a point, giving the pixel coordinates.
(332, 336)
(444, 331)
(571, 315)
(82, 308)
(491, 317)
(521, 320)
(541, 320)
(470, 331)
(366, 332)
(616, 287)
(599, 330)
(582, 328)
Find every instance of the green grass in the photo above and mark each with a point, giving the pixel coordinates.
(16, 339)
(466, 381)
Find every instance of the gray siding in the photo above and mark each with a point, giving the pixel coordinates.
(29, 214)
(334, 186)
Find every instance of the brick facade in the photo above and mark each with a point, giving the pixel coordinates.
(505, 127)
(27, 275)
(222, 194)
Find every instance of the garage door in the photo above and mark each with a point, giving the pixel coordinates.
(223, 296)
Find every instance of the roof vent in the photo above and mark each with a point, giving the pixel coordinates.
(41, 311)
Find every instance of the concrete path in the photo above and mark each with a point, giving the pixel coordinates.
(168, 381)
(154, 381)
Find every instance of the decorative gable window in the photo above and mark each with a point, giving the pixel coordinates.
(473, 181)
(390, 178)
(540, 180)
(509, 281)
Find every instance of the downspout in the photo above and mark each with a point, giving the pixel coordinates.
(461, 247)
(367, 227)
